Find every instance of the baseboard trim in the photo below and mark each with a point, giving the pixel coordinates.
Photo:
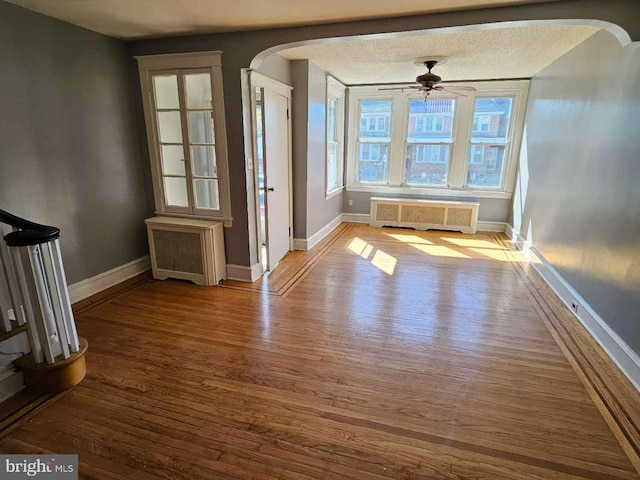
(308, 243)
(243, 273)
(615, 347)
(86, 288)
(491, 226)
(356, 217)
(11, 383)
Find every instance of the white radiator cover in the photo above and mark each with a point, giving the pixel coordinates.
(187, 249)
(424, 214)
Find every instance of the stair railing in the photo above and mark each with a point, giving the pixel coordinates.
(35, 288)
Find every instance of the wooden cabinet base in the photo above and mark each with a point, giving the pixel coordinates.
(56, 377)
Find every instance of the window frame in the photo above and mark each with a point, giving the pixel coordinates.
(338, 92)
(460, 146)
(181, 65)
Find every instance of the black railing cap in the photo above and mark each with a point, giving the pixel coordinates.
(30, 233)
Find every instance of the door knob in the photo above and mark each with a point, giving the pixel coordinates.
(271, 189)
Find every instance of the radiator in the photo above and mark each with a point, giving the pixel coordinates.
(187, 249)
(424, 214)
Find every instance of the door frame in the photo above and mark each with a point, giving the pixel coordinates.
(257, 80)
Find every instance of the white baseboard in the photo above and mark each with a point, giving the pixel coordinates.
(491, 226)
(623, 356)
(243, 273)
(366, 218)
(356, 217)
(313, 240)
(11, 382)
(91, 286)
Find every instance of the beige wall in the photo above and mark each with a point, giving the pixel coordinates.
(578, 200)
(240, 48)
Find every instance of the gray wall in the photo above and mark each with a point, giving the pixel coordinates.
(312, 210)
(579, 185)
(276, 67)
(69, 155)
(240, 48)
(491, 209)
(299, 131)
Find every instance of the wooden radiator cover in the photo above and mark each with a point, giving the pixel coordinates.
(424, 214)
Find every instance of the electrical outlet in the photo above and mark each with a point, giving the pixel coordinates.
(350, 203)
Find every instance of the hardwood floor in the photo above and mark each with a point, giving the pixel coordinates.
(383, 353)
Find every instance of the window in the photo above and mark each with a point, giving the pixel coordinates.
(429, 123)
(374, 140)
(441, 145)
(184, 115)
(335, 135)
(428, 142)
(481, 123)
(489, 142)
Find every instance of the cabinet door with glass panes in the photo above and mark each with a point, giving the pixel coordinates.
(186, 140)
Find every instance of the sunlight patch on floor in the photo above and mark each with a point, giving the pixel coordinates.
(403, 237)
(360, 247)
(470, 242)
(439, 251)
(384, 262)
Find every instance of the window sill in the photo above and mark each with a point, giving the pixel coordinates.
(227, 222)
(440, 192)
(334, 193)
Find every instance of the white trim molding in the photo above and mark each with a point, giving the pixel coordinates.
(484, 226)
(356, 217)
(436, 191)
(85, 288)
(622, 355)
(11, 382)
(308, 243)
(243, 273)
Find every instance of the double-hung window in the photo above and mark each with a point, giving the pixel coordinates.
(429, 149)
(184, 113)
(489, 141)
(442, 144)
(335, 135)
(374, 140)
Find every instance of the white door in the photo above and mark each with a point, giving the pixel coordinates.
(276, 158)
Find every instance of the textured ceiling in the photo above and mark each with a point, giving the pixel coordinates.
(145, 18)
(473, 55)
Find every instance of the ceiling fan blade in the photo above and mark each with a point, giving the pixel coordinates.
(462, 88)
(401, 88)
(452, 91)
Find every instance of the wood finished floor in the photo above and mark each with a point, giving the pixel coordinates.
(384, 353)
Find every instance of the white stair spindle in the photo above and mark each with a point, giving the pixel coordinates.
(5, 299)
(46, 328)
(14, 287)
(72, 333)
(55, 297)
(32, 330)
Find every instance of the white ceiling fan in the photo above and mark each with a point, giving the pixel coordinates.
(429, 82)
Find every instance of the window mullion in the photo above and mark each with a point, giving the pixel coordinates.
(461, 137)
(185, 139)
(399, 115)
